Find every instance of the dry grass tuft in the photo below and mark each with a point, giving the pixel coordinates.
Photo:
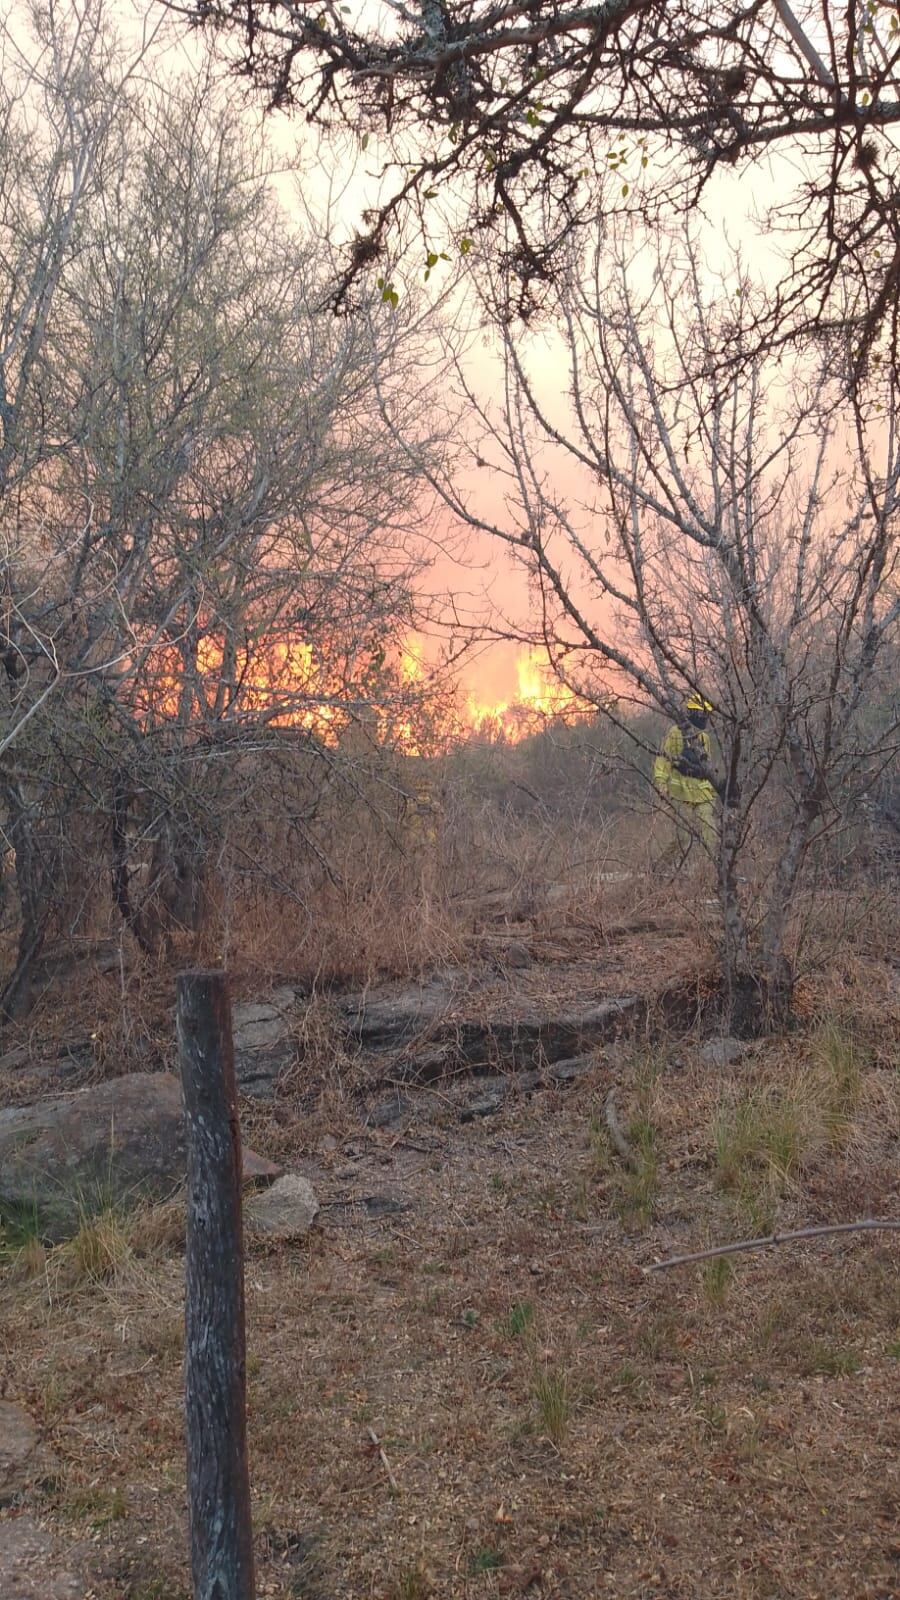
(551, 1389)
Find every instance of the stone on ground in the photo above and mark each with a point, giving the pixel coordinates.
(285, 1211)
(263, 1045)
(385, 1022)
(258, 1025)
(19, 1455)
(722, 1052)
(115, 1143)
(29, 1564)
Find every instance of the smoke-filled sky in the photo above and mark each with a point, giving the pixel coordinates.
(335, 183)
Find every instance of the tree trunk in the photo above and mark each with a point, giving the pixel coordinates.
(32, 876)
(740, 988)
(120, 868)
(776, 972)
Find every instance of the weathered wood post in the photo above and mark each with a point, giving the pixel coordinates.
(221, 1534)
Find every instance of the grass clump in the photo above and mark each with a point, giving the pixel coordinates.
(552, 1397)
(99, 1505)
(485, 1560)
(717, 1275)
(639, 1183)
(761, 1141)
(97, 1253)
(767, 1129)
(22, 1249)
(413, 1584)
(519, 1319)
(838, 1064)
(819, 1358)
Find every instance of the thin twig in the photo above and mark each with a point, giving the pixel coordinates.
(617, 1138)
(384, 1460)
(867, 1225)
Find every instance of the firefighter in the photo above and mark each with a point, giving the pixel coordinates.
(681, 775)
(423, 811)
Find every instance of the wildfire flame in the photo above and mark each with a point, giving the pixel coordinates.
(280, 681)
(540, 698)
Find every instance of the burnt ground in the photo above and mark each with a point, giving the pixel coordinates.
(550, 1420)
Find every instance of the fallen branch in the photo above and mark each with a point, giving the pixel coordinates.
(616, 1137)
(384, 1460)
(867, 1225)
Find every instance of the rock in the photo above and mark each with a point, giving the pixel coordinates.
(263, 1046)
(570, 1071)
(382, 1205)
(18, 1451)
(285, 1211)
(256, 1169)
(387, 1113)
(516, 955)
(516, 1044)
(257, 1071)
(260, 1025)
(722, 1052)
(116, 1142)
(14, 1057)
(494, 1092)
(428, 1066)
(29, 1568)
(389, 1021)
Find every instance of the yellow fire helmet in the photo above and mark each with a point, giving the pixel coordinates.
(696, 702)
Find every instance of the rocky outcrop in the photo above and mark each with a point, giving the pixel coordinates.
(116, 1143)
(263, 1043)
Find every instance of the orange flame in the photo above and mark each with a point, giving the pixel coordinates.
(540, 698)
(280, 681)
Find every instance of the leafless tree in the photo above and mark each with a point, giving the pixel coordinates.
(210, 537)
(527, 102)
(688, 529)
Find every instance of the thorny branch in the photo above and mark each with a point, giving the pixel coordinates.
(531, 113)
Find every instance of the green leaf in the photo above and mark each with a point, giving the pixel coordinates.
(625, 188)
(465, 246)
(433, 258)
(364, 141)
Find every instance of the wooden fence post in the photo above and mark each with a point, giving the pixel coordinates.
(221, 1533)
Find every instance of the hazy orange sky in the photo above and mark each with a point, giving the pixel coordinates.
(341, 180)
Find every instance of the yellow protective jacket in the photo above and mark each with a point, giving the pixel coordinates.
(679, 786)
